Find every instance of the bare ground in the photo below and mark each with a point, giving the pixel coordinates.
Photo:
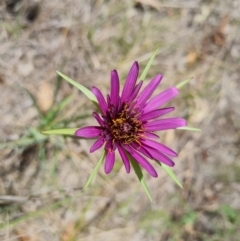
(41, 178)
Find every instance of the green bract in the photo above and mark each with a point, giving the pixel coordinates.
(85, 91)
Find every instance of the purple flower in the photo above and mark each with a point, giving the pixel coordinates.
(128, 122)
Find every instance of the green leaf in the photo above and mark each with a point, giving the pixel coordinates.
(94, 172)
(180, 85)
(171, 174)
(70, 131)
(188, 128)
(145, 71)
(85, 91)
(140, 176)
(64, 102)
(39, 137)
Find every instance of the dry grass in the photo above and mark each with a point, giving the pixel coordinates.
(41, 178)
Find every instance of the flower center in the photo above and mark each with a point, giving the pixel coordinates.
(125, 127)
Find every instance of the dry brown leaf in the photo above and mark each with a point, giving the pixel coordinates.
(69, 232)
(213, 207)
(192, 57)
(223, 24)
(23, 236)
(45, 96)
(217, 37)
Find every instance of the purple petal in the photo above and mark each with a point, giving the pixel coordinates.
(114, 146)
(161, 99)
(135, 91)
(97, 144)
(141, 149)
(158, 156)
(142, 161)
(124, 158)
(127, 148)
(130, 82)
(88, 132)
(100, 98)
(160, 147)
(151, 135)
(156, 113)
(114, 88)
(109, 145)
(149, 89)
(165, 124)
(108, 101)
(98, 118)
(109, 162)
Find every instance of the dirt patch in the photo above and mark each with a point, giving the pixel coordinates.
(41, 178)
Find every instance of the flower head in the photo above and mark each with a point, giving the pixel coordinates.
(127, 122)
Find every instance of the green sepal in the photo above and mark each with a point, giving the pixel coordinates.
(95, 170)
(180, 85)
(85, 91)
(188, 128)
(140, 176)
(170, 172)
(70, 131)
(145, 71)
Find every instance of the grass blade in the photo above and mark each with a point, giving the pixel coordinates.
(94, 172)
(140, 176)
(70, 131)
(35, 104)
(57, 87)
(145, 71)
(188, 128)
(24, 141)
(85, 91)
(39, 137)
(36, 214)
(52, 114)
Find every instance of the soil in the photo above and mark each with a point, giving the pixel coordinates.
(42, 177)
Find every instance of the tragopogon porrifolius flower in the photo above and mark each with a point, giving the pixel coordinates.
(128, 122)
